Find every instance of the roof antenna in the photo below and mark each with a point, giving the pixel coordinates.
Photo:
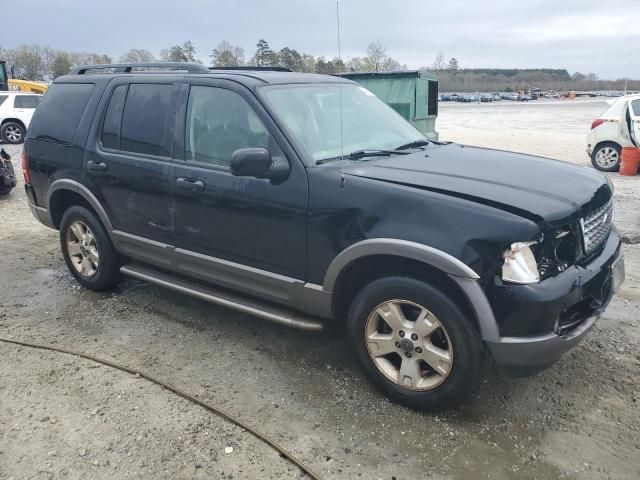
(340, 96)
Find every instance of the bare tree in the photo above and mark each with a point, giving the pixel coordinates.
(227, 55)
(28, 62)
(439, 63)
(356, 64)
(308, 63)
(376, 55)
(137, 55)
(180, 53)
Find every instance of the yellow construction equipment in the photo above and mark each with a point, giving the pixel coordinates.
(27, 86)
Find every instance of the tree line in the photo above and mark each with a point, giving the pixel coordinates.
(452, 78)
(43, 63)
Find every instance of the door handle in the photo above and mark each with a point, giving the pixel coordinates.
(190, 184)
(96, 166)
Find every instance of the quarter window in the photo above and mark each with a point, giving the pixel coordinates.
(57, 119)
(113, 118)
(26, 101)
(2, 99)
(219, 122)
(145, 121)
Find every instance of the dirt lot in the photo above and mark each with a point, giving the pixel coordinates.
(61, 417)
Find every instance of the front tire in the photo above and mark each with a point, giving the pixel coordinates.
(414, 343)
(88, 251)
(606, 157)
(12, 132)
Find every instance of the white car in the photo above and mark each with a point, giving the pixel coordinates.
(16, 110)
(617, 127)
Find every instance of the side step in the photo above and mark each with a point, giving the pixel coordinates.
(252, 306)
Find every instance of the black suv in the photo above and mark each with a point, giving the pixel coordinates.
(301, 198)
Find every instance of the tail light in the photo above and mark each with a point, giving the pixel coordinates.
(24, 162)
(597, 122)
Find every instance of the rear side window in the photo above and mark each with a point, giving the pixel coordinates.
(636, 107)
(113, 118)
(26, 101)
(145, 120)
(58, 116)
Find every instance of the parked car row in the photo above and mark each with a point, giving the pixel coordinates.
(487, 97)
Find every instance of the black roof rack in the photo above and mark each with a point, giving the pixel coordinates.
(255, 69)
(128, 67)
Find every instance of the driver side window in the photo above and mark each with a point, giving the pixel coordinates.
(219, 122)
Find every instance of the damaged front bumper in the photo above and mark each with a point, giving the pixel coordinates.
(567, 306)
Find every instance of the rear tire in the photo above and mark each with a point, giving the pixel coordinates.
(606, 157)
(12, 132)
(434, 355)
(88, 251)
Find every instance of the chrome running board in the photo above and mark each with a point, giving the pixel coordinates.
(242, 303)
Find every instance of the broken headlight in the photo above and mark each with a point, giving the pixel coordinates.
(520, 264)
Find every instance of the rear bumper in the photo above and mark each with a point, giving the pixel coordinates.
(589, 292)
(40, 213)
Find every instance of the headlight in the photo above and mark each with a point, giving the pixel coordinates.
(610, 182)
(520, 264)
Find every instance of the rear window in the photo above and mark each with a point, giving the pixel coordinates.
(145, 120)
(60, 111)
(26, 101)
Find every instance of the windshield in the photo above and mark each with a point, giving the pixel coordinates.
(312, 114)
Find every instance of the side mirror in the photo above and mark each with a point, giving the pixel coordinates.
(251, 162)
(257, 162)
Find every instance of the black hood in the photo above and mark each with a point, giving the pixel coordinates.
(540, 189)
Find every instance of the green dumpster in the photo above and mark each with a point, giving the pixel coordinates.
(413, 94)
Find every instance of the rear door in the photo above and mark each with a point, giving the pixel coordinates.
(129, 164)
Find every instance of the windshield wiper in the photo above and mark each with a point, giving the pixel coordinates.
(416, 144)
(358, 154)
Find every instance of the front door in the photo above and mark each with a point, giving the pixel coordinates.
(235, 231)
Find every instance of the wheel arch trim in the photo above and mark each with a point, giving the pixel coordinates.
(84, 192)
(14, 120)
(399, 248)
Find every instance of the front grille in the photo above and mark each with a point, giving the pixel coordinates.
(596, 227)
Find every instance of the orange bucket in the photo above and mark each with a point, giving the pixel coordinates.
(629, 161)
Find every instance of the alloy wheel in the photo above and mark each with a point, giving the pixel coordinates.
(409, 345)
(82, 248)
(13, 133)
(607, 157)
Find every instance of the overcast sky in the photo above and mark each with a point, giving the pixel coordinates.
(581, 35)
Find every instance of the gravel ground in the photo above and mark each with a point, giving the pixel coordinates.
(63, 417)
